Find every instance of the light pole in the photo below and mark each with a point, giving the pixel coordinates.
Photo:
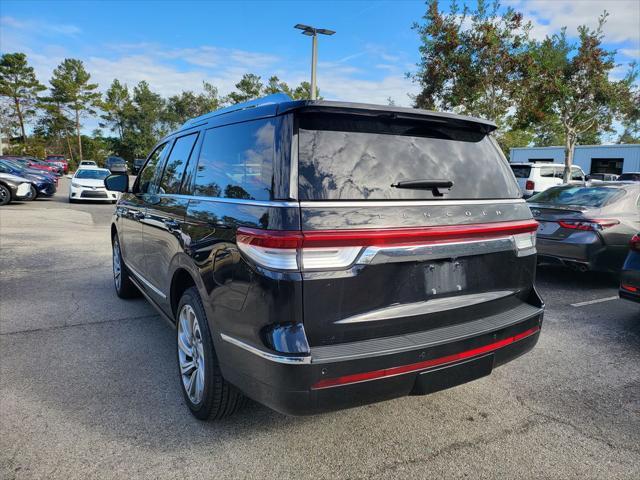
(313, 32)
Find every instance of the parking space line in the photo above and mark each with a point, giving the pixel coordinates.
(591, 302)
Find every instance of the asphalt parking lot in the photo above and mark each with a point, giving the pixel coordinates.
(89, 388)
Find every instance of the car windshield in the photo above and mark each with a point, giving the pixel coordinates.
(579, 196)
(521, 171)
(92, 174)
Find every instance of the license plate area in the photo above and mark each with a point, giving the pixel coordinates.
(444, 276)
(451, 376)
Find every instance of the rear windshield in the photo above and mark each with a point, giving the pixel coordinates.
(579, 196)
(345, 157)
(521, 171)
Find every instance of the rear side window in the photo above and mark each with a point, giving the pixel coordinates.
(521, 171)
(547, 172)
(236, 161)
(176, 163)
(346, 157)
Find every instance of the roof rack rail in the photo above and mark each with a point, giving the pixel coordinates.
(258, 102)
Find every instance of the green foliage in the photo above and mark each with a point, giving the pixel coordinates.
(248, 88)
(568, 92)
(471, 61)
(71, 90)
(188, 104)
(19, 84)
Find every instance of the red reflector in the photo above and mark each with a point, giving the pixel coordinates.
(629, 288)
(414, 367)
(634, 244)
(529, 185)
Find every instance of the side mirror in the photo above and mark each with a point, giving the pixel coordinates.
(117, 182)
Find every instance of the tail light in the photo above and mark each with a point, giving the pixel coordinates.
(530, 185)
(634, 244)
(588, 225)
(337, 249)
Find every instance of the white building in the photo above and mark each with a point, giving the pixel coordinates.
(591, 158)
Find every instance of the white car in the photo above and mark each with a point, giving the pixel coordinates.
(88, 164)
(537, 177)
(88, 184)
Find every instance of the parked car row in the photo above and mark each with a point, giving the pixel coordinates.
(17, 171)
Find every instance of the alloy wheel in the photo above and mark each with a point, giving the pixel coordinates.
(117, 267)
(191, 354)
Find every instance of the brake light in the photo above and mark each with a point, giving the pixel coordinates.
(588, 225)
(634, 244)
(629, 288)
(530, 185)
(335, 249)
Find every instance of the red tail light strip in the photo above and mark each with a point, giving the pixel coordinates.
(629, 288)
(415, 367)
(379, 237)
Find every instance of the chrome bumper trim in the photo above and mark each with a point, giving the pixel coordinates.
(273, 357)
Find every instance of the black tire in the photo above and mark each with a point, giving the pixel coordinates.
(71, 200)
(33, 193)
(125, 288)
(220, 399)
(5, 195)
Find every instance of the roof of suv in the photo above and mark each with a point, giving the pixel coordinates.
(281, 103)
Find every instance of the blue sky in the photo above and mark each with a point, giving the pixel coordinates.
(176, 45)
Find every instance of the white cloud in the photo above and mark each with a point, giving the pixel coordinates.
(549, 16)
(37, 27)
(630, 52)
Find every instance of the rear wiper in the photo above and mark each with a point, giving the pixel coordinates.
(432, 185)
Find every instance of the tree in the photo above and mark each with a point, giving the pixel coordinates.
(18, 82)
(568, 86)
(117, 108)
(303, 92)
(70, 88)
(471, 62)
(275, 85)
(249, 87)
(54, 128)
(186, 105)
(147, 123)
(631, 110)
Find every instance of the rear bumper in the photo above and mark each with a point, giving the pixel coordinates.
(630, 285)
(587, 251)
(353, 374)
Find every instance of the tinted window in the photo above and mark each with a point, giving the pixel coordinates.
(576, 174)
(547, 172)
(357, 158)
(147, 174)
(92, 174)
(634, 177)
(176, 163)
(236, 161)
(521, 171)
(579, 196)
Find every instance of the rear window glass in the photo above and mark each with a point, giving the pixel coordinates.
(579, 196)
(236, 161)
(521, 171)
(343, 157)
(92, 174)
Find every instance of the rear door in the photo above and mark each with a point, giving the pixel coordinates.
(380, 260)
(164, 218)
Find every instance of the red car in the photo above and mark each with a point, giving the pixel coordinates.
(30, 162)
(58, 160)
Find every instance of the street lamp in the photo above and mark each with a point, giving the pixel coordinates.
(313, 32)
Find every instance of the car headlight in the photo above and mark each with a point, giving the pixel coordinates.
(75, 184)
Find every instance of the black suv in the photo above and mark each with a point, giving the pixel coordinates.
(319, 255)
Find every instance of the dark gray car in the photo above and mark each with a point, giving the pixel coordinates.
(116, 164)
(587, 227)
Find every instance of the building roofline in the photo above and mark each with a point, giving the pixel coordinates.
(610, 145)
